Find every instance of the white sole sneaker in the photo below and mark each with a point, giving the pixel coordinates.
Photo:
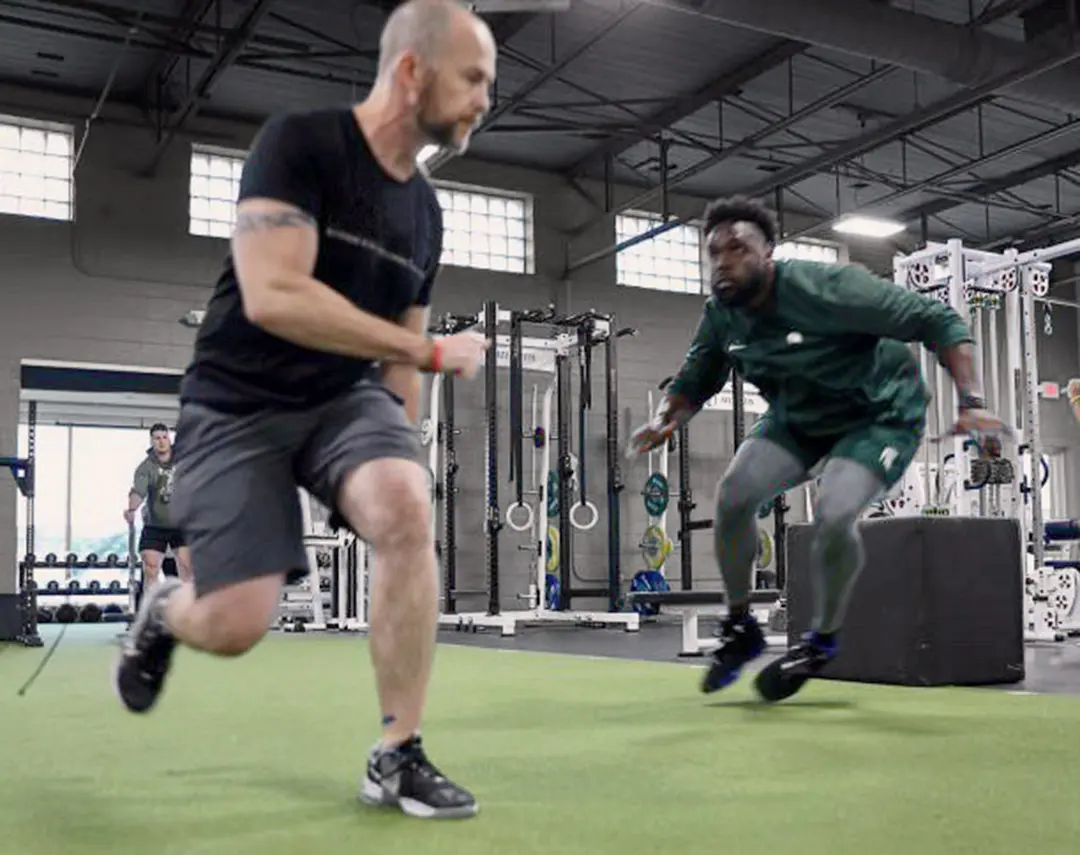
(374, 794)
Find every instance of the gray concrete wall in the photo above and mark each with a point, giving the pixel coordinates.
(110, 287)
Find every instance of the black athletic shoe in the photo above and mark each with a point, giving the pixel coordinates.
(784, 677)
(145, 652)
(403, 777)
(740, 642)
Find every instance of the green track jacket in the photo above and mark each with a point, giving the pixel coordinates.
(830, 355)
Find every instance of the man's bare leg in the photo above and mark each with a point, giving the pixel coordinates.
(183, 564)
(226, 622)
(151, 567)
(388, 502)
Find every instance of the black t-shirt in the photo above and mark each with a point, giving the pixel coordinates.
(379, 244)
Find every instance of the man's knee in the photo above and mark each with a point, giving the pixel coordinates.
(235, 619)
(390, 499)
(836, 511)
(738, 493)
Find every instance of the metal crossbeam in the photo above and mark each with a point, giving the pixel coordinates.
(230, 49)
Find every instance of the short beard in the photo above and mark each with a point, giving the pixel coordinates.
(439, 133)
(738, 296)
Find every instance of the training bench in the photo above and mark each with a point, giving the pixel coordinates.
(692, 604)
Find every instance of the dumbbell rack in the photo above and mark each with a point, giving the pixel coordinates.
(83, 610)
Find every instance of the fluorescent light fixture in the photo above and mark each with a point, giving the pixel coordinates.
(867, 227)
(426, 153)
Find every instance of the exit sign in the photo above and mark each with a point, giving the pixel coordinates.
(1049, 390)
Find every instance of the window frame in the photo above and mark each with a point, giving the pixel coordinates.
(219, 152)
(24, 123)
(529, 223)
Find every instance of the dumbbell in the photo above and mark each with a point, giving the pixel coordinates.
(113, 560)
(67, 613)
(73, 587)
(71, 560)
(115, 587)
(53, 587)
(113, 613)
(50, 559)
(91, 560)
(94, 587)
(90, 613)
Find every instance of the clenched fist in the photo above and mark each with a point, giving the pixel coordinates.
(459, 354)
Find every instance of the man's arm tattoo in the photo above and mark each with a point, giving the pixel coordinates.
(254, 221)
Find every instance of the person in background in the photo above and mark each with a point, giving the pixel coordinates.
(826, 345)
(152, 489)
(1073, 391)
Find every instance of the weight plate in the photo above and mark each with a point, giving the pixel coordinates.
(656, 493)
(648, 580)
(552, 549)
(765, 550)
(656, 546)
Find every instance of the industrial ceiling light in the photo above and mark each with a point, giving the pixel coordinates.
(870, 227)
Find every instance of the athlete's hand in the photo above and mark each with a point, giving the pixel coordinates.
(649, 436)
(980, 422)
(461, 353)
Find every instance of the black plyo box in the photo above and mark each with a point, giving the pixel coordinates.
(939, 602)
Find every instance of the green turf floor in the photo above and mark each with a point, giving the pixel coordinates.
(567, 755)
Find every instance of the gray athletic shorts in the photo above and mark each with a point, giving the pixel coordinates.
(236, 477)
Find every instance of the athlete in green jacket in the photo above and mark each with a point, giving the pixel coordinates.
(824, 343)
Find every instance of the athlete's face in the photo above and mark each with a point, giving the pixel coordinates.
(160, 440)
(455, 95)
(739, 259)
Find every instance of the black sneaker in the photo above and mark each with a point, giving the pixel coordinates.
(784, 677)
(741, 641)
(145, 652)
(403, 777)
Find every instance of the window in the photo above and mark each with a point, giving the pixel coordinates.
(82, 481)
(36, 163)
(215, 185)
(485, 229)
(103, 462)
(807, 251)
(670, 261)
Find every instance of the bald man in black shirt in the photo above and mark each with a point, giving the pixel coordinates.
(305, 373)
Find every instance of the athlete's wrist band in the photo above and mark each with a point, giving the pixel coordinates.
(972, 402)
(436, 356)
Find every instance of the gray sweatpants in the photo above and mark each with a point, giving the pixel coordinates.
(235, 494)
(760, 471)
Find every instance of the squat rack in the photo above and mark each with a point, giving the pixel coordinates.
(552, 354)
(22, 470)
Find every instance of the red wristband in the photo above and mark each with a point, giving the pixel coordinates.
(436, 356)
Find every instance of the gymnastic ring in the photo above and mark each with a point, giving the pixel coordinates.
(589, 506)
(528, 516)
